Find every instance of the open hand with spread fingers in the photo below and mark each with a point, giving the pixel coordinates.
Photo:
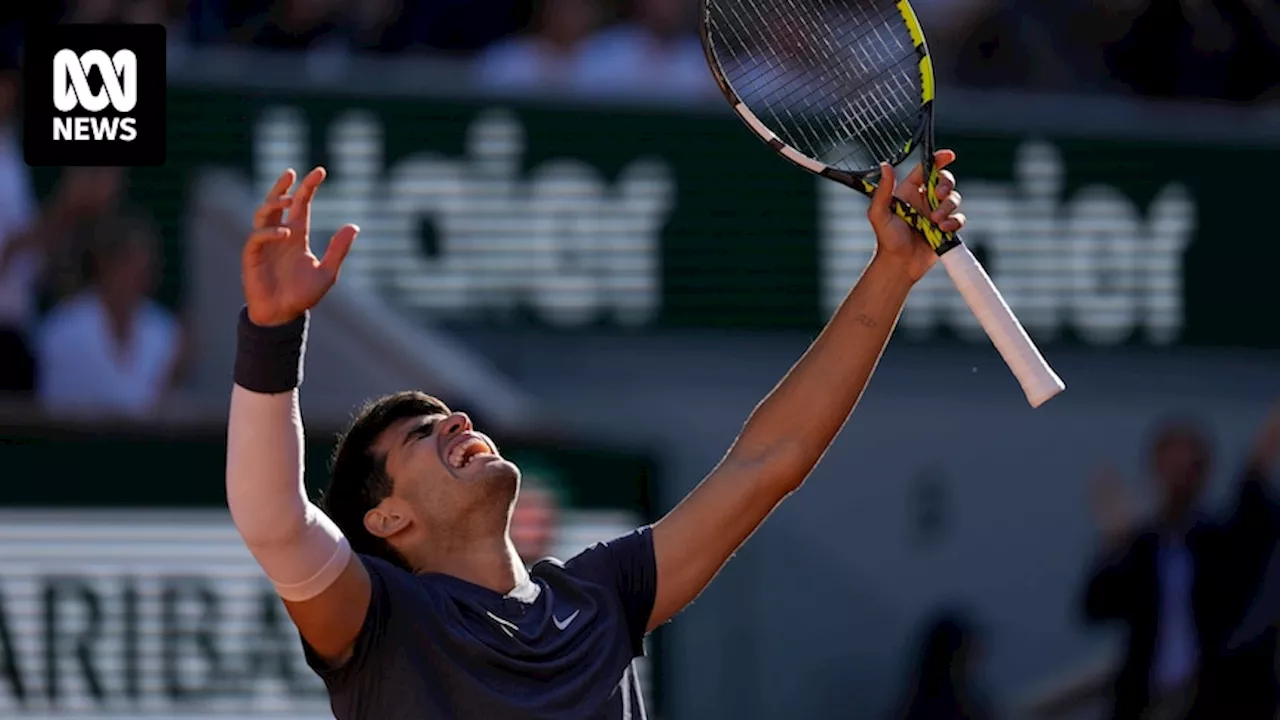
(282, 278)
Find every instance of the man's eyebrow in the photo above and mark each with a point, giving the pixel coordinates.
(426, 427)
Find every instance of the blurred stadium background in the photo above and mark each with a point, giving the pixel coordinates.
(567, 234)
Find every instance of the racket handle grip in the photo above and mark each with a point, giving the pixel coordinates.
(1038, 380)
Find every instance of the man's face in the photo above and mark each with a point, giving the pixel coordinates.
(664, 16)
(448, 476)
(145, 12)
(309, 11)
(128, 276)
(1182, 466)
(568, 21)
(373, 13)
(91, 189)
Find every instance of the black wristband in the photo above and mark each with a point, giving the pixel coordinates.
(269, 359)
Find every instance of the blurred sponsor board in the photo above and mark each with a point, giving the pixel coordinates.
(147, 614)
(159, 613)
(573, 217)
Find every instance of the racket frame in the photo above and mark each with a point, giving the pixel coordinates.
(1039, 382)
(940, 240)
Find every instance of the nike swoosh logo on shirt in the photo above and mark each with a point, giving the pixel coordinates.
(562, 624)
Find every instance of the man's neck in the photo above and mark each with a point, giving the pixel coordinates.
(492, 564)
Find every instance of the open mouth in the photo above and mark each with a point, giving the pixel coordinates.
(466, 449)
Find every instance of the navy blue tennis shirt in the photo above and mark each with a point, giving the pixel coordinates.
(561, 647)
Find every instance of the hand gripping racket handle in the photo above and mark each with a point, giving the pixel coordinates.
(1038, 380)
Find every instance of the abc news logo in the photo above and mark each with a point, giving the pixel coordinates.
(95, 95)
(71, 91)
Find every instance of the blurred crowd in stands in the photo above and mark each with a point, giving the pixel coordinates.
(84, 260)
(1193, 591)
(1222, 50)
(79, 332)
(1199, 49)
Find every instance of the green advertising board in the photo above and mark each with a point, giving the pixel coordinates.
(55, 464)
(577, 217)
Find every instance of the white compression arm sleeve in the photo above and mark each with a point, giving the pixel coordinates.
(301, 550)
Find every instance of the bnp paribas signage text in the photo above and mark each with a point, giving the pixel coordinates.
(558, 240)
(1094, 261)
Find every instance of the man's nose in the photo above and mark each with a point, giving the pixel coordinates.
(457, 423)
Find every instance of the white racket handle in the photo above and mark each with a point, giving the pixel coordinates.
(1037, 379)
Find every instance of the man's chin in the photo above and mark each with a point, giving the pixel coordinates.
(490, 469)
(503, 467)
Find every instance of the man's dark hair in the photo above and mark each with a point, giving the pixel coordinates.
(358, 478)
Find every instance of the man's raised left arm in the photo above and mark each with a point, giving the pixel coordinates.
(792, 427)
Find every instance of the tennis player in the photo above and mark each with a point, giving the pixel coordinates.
(404, 584)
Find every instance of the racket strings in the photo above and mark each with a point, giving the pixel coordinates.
(869, 44)
(837, 80)
(770, 81)
(857, 116)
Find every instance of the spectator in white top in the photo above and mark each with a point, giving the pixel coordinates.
(19, 267)
(548, 57)
(111, 349)
(655, 55)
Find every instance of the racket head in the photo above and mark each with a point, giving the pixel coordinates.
(835, 86)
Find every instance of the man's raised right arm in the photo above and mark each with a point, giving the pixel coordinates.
(325, 586)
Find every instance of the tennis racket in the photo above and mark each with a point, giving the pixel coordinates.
(837, 87)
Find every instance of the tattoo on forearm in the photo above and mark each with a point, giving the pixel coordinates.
(865, 320)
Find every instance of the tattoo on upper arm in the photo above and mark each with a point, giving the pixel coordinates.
(865, 320)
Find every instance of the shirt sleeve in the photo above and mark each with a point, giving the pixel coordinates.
(627, 566)
(372, 631)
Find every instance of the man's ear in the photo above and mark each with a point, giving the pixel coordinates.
(386, 519)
